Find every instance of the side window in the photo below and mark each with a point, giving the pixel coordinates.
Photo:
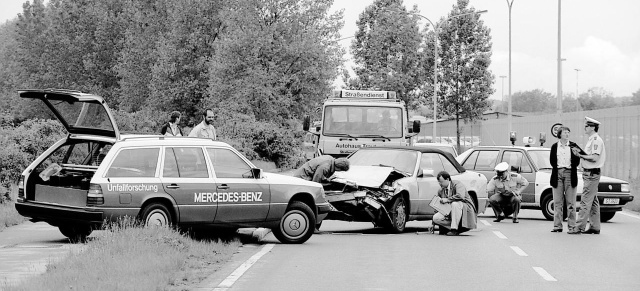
(448, 166)
(170, 164)
(516, 161)
(431, 161)
(470, 163)
(135, 163)
(190, 162)
(486, 160)
(227, 164)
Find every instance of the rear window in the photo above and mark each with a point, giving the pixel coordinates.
(138, 162)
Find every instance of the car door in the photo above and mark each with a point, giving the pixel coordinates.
(520, 164)
(185, 176)
(241, 197)
(428, 184)
(482, 161)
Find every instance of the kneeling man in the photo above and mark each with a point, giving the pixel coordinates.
(463, 212)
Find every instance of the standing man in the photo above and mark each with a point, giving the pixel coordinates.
(505, 192)
(564, 180)
(205, 128)
(463, 212)
(592, 163)
(320, 169)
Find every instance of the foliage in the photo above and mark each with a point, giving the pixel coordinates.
(535, 100)
(596, 98)
(635, 99)
(386, 50)
(466, 81)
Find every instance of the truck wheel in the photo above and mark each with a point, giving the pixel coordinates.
(606, 216)
(156, 214)
(548, 208)
(398, 214)
(77, 233)
(296, 225)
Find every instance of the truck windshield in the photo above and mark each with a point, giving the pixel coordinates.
(362, 121)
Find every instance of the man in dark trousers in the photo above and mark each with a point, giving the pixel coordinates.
(320, 169)
(564, 180)
(505, 192)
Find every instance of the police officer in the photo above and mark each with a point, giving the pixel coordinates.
(592, 163)
(320, 169)
(505, 190)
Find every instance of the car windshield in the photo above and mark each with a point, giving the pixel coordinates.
(540, 159)
(362, 121)
(402, 160)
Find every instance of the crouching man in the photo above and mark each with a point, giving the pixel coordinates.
(505, 192)
(320, 169)
(463, 212)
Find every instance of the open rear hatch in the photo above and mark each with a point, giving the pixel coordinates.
(78, 112)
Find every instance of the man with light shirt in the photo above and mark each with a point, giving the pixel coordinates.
(205, 128)
(592, 161)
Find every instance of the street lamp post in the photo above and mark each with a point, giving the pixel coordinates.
(502, 104)
(577, 92)
(509, 118)
(559, 97)
(435, 60)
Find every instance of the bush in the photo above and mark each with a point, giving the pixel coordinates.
(143, 121)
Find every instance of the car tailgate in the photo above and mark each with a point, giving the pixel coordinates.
(61, 195)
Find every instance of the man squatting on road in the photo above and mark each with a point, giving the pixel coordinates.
(463, 212)
(505, 192)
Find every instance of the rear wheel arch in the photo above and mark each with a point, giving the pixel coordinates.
(164, 201)
(474, 197)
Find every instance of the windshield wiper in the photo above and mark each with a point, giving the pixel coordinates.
(546, 168)
(351, 136)
(376, 135)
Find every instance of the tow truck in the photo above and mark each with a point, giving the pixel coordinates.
(353, 119)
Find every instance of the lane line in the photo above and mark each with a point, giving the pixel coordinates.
(519, 251)
(544, 274)
(499, 234)
(231, 279)
(630, 215)
(485, 222)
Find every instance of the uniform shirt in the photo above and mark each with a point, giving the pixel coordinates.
(317, 170)
(564, 155)
(511, 182)
(204, 130)
(595, 145)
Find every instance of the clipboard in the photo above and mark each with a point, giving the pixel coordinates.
(443, 208)
(579, 149)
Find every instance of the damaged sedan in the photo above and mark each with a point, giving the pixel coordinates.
(392, 185)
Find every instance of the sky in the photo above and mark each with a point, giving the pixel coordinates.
(600, 38)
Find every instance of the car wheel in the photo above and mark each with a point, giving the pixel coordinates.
(606, 216)
(77, 233)
(156, 214)
(296, 225)
(398, 214)
(548, 208)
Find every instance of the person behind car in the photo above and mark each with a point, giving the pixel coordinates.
(205, 128)
(463, 212)
(171, 128)
(593, 160)
(320, 169)
(564, 180)
(505, 192)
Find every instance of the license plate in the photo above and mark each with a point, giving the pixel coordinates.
(611, 201)
(372, 202)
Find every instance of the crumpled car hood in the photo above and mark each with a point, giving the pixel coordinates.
(365, 176)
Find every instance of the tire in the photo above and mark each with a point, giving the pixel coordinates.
(547, 208)
(156, 214)
(296, 225)
(606, 216)
(398, 214)
(77, 233)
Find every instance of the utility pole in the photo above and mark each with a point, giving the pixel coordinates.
(510, 118)
(577, 91)
(502, 104)
(559, 96)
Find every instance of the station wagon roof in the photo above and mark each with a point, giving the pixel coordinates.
(511, 147)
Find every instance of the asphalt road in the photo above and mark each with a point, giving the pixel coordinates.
(498, 256)
(356, 256)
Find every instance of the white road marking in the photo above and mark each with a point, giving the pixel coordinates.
(499, 234)
(519, 251)
(231, 279)
(630, 215)
(485, 222)
(544, 274)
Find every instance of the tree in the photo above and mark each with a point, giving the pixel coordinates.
(635, 99)
(386, 50)
(535, 100)
(466, 81)
(597, 98)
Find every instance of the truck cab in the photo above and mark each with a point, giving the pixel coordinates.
(353, 119)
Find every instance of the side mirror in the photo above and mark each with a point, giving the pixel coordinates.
(416, 126)
(306, 124)
(256, 173)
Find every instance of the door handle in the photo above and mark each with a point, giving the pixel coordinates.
(222, 187)
(173, 186)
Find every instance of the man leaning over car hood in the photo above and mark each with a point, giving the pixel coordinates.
(320, 169)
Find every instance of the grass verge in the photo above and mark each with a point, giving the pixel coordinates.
(129, 257)
(9, 216)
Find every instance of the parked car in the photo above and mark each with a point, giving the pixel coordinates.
(392, 185)
(96, 174)
(445, 147)
(533, 163)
